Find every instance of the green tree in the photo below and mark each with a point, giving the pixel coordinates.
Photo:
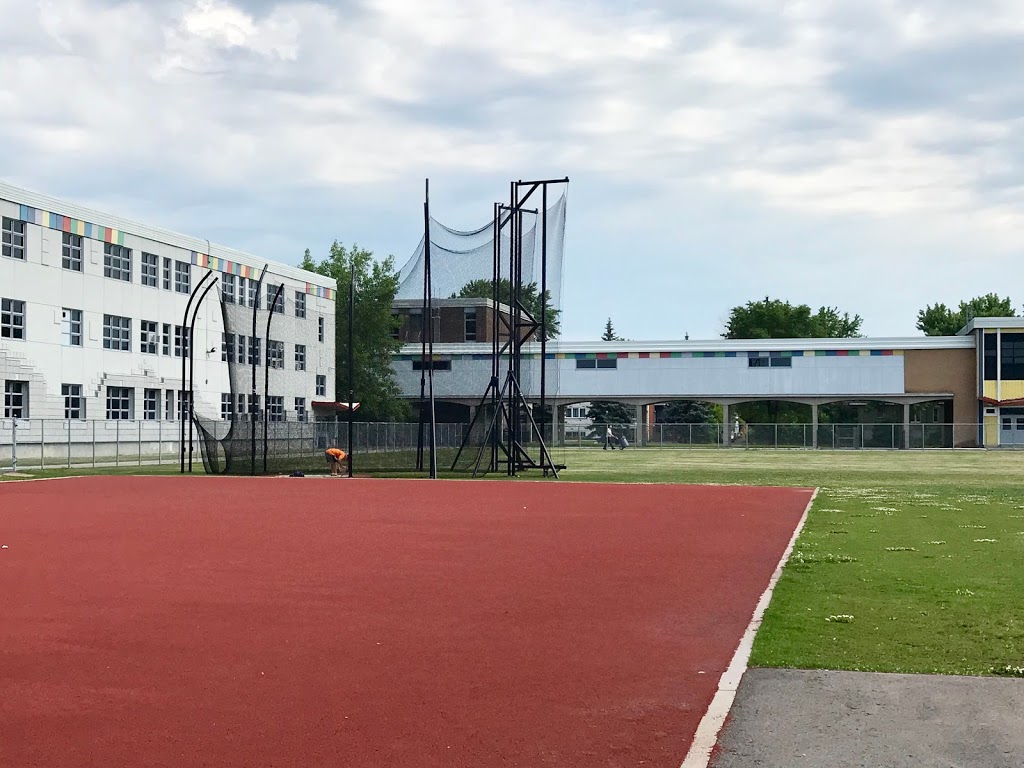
(374, 382)
(691, 412)
(608, 412)
(777, 319)
(939, 320)
(484, 289)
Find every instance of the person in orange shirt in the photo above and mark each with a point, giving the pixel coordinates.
(334, 457)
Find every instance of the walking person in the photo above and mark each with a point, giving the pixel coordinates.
(609, 437)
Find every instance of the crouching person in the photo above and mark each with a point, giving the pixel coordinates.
(334, 458)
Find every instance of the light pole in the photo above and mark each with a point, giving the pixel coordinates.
(351, 366)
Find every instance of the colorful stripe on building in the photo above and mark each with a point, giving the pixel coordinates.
(678, 355)
(73, 226)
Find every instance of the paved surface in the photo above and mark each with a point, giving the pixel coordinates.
(793, 718)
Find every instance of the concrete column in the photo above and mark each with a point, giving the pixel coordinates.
(555, 420)
(814, 425)
(726, 426)
(639, 432)
(906, 425)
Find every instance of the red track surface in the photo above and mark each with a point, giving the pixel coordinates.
(300, 623)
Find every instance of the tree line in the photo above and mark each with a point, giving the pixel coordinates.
(374, 342)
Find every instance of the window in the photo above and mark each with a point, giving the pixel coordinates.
(608, 363)
(180, 341)
(300, 409)
(241, 349)
(470, 323)
(165, 340)
(320, 327)
(13, 238)
(117, 262)
(117, 333)
(119, 403)
(591, 363)
(275, 306)
(74, 403)
(582, 364)
(758, 362)
(151, 405)
(71, 252)
(396, 325)
(275, 353)
(782, 362)
(167, 274)
(183, 403)
(254, 407)
(150, 266)
(148, 337)
(1007, 422)
(300, 357)
(437, 365)
(227, 347)
(1012, 362)
(169, 405)
(300, 304)
(15, 399)
(255, 345)
(762, 361)
(227, 288)
(182, 277)
(275, 405)
(227, 406)
(241, 407)
(12, 319)
(321, 386)
(71, 327)
(254, 294)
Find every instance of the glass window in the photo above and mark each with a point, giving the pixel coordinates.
(166, 274)
(1012, 358)
(300, 409)
(180, 341)
(990, 356)
(74, 403)
(608, 363)
(781, 362)
(183, 403)
(300, 304)
(169, 405)
(151, 405)
(254, 294)
(320, 329)
(13, 238)
(117, 333)
(241, 349)
(119, 403)
(321, 386)
(470, 323)
(71, 327)
(300, 357)
(150, 266)
(227, 347)
(275, 354)
(255, 347)
(583, 364)
(227, 406)
(758, 362)
(71, 252)
(437, 365)
(15, 399)
(227, 288)
(148, 337)
(12, 319)
(275, 306)
(182, 277)
(165, 340)
(117, 262)
(275, 406)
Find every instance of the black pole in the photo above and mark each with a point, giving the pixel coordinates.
(266, 378)
(192, 362)
(351, 349)
(252, 363)
(430, 332)
(420, 438)
(543, 310)
(184, 382)
(495, 331)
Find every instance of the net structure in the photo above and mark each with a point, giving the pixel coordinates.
(257, 431)
(513, 260)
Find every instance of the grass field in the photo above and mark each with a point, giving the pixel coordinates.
(924, 550)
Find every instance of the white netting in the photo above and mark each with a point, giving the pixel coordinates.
(458, 258)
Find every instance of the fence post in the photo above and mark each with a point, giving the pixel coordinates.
(94, 444)
(42, 443)
(159, 441)
(140, 443)
(14, 444)
(69, 443)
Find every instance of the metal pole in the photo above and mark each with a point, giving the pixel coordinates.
(184, 325)
(430, 333)
(69, 443)
(543, 315)
(266, 377)
(192, 364)
(14, 444)
(252, 365)
(351, 358)
(42, 444)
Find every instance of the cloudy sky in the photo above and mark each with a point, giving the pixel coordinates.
(865, 154)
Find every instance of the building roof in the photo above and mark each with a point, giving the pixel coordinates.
(459, 302)
(200, 245)
(992, 322)
(724, 345)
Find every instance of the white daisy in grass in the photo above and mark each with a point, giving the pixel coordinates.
(965, 592)
(1008, 671)
(985, 541)
(900, 549)
(840, 618)
(935, 543)
(887, 510)
(975, 527)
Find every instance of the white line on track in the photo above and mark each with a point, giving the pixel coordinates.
(710, 725)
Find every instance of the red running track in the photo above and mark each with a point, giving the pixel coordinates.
(169, 621)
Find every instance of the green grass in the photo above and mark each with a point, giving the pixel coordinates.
(867, 550)
(870, 550)
(43, 474)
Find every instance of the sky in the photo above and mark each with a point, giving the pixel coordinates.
(862, 154)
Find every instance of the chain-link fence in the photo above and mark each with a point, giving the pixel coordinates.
(45, 443)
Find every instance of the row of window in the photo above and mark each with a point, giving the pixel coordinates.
(415, 322)
(120, 403)
(248, 407)
(117, 265)
(1009, 360)
(117, 335)
(246, 349)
